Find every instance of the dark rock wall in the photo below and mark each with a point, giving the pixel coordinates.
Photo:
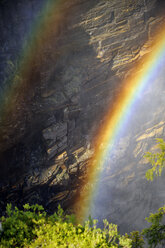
(45, 150)
(17, 21)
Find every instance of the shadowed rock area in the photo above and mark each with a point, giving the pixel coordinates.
(46, 130)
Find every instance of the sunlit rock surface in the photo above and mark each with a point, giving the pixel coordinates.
(46, 145)
(124, 195)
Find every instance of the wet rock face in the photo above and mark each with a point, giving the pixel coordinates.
(127, 196)
(46, 147)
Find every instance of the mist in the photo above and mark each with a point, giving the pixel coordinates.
(124, 196)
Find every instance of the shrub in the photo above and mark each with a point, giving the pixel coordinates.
(32, 227)
(137, 240)
(62, 234)
(20, 226)
(155, 234)
(156, 160)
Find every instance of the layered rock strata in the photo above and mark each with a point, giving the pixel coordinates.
(45, 149)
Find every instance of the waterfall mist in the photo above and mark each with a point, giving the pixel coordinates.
(124, 196)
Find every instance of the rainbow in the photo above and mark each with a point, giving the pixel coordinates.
(132, 88)
(45, 33)
(53, 14)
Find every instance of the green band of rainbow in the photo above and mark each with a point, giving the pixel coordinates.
(143, 75)
(40, 46)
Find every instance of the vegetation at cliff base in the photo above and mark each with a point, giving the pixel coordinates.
(155, 234)
(32, 227)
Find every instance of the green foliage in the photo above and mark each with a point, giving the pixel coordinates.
(155, 234)
(137, 239)
(19, 227)
(62, 234)
(31, 228)
(156, 160)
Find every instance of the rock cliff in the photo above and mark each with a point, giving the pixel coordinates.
(46, 137)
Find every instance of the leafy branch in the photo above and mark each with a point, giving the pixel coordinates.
(156, 160)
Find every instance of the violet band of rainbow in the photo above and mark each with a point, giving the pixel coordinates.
(144, 73)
